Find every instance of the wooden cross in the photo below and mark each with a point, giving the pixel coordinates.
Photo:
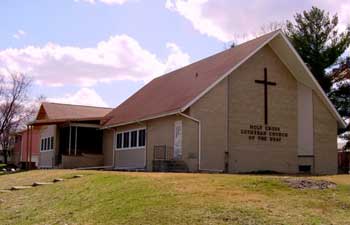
(265, 82)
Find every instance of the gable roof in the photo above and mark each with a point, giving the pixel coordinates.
(176, 91)
(56, 112)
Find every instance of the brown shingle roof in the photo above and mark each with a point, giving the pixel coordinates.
(57, 112)
(172, 91)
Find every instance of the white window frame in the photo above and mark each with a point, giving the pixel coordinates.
(137, 140)
(45, 146)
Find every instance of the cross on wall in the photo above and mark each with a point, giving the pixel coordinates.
(266, 83)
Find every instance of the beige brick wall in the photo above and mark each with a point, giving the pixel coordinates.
(236, 103)
(161, 132)
(190, 143)
(158, 132)
(325, 139)
(246, 107)
(130, 158)
(211, 110)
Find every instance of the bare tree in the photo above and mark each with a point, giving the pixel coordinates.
(14, 110)
(269, 27)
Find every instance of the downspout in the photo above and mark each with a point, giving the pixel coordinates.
(199, 144)
(199, 137)
(114, 144)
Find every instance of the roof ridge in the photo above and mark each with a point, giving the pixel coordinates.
(218, 53)
(58, 103)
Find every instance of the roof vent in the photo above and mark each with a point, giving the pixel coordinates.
(196, 75)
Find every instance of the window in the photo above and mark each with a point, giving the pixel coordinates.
(119, 140)
(132, 139)
(142, 137)
(51, 147)
(126, 140)
(42, 145)
(133, 142)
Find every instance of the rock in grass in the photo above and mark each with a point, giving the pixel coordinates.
(304, 183)
(77, 176)
(41, 183)
(58, 180)
(15, 188)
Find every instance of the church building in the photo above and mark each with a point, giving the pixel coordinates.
(254, 107)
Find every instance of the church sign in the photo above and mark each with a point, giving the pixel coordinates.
(265, 132)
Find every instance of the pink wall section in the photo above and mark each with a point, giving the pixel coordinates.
(35, 143)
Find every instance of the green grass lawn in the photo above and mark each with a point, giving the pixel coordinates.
(169, 198)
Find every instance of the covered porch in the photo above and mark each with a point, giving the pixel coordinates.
(70, 135)
(70, 144)
(80, 145)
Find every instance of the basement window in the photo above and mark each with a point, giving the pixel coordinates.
(304, 168)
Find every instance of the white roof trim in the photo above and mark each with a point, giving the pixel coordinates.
(319, 89)
(141, 120)
(228, 73)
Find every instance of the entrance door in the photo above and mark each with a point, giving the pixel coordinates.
(178, 140)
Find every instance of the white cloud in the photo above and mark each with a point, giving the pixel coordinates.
(228, 20)
(19, 34)
(84, 96)
(108, 2)
(118, 58)
(176, 59)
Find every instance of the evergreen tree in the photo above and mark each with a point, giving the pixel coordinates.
(317, 40)
(340, 95)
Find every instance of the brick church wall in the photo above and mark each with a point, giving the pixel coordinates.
(325, 139)
(246, 107)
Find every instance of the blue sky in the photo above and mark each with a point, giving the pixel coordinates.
(99, 52)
